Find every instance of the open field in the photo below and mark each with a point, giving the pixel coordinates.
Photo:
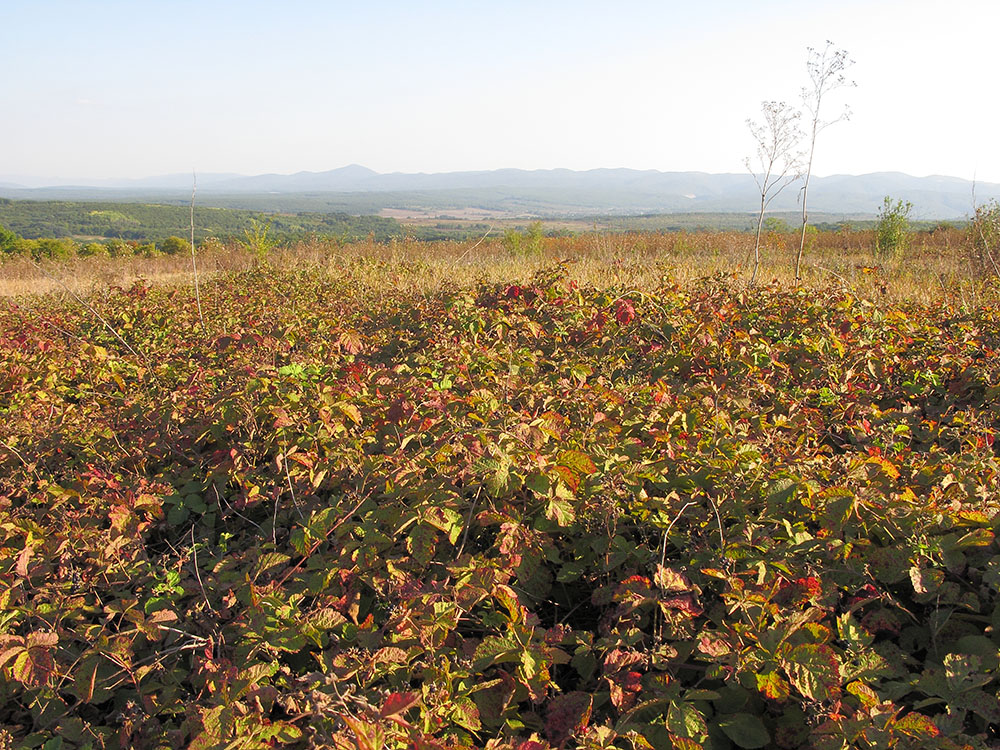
(936, 265)
(598, 495)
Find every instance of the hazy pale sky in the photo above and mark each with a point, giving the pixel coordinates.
(103, 89)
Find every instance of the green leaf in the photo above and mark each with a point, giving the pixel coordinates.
(498, 481)
(745, 730)
(218, 722)
(421, 542)
(268, 562)
(298, 541)
(781, 491)
(560, 512)
(773, 686)
(326, 619)
(492, 699)
(686, 720)
(814, 670)
(494, 650)
(350, 411)
(447, 520)
(577, 462)
(926, 580)
(250, 676)
(964, 672)
(466, 714)
(917, 725)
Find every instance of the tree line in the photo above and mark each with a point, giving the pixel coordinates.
(145, 223)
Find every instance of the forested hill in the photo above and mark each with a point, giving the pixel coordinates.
(151, 222)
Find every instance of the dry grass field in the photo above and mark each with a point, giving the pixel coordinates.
(935, 266)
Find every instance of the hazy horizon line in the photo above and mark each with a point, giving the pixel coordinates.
(45, 181)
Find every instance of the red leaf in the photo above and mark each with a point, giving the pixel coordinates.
(624, 682)
(397, 703)
(624, 311)
(686, 603)
(567, 715)
(533, 745)
(568, 476)
(714, 644)
(367, 736)
(512, 291)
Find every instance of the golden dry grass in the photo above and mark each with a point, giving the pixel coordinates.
(934, 267)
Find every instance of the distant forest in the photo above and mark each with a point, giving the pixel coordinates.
(151, 223)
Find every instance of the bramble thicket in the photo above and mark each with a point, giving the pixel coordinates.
(528, 513)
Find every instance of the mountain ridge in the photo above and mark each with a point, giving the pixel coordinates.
(547, 192)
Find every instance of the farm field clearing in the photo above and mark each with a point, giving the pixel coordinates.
(440, 496)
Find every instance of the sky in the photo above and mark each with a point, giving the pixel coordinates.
(104, 89)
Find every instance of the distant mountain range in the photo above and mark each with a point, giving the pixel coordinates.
(547, 192)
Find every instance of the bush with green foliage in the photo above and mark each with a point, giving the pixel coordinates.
(53, 249)
(7, 239)
(92, 249)
(174, 245)
(121, 249)
(892, 232)
(774, 225)
(524, 243)
(258, 240)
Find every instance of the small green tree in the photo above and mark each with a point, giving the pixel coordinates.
(119, 248)
(174, 245)
(8, 239)
(55, 249)
(892, 232)
(257, 240)
(774, 225)
(524, 243)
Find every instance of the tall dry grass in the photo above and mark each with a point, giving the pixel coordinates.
(935, 265)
